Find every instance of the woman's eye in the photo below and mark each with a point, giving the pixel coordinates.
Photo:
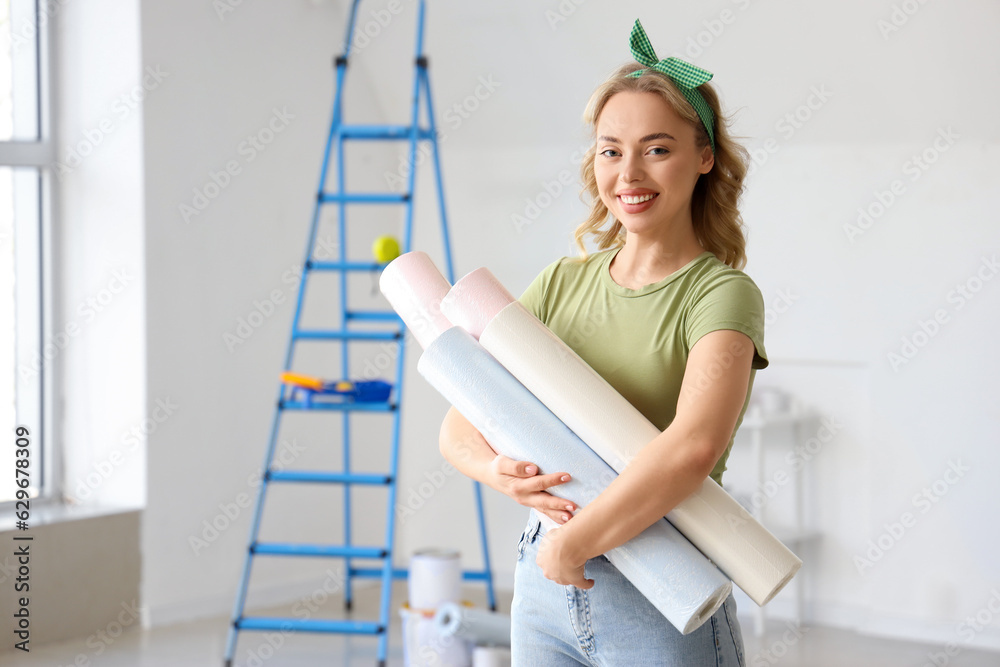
(610, 152)
(658, 150)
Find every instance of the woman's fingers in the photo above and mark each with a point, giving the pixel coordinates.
(526, 469)
(508, 466)
(521, 481)
(558, 517)
(557, 509)
(545, 481)
(540, 482)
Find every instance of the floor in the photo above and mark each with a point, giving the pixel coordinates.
(202, 644)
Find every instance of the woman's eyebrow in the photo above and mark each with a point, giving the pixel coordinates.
(648, 137)
(658, 135)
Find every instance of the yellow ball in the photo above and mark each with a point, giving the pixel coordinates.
(385, 249)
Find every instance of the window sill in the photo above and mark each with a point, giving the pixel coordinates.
(53, 513)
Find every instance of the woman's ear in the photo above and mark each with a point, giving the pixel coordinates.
(707, 160)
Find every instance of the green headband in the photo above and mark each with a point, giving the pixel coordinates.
(685, 76)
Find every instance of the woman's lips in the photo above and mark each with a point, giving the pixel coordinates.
(637, 202)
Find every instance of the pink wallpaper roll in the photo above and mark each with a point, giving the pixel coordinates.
(475, 300)
(414, 287)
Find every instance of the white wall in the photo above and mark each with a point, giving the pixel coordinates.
(853, 302)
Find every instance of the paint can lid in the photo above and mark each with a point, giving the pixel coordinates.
(437, 553)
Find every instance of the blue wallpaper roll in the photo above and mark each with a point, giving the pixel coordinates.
(660, 562)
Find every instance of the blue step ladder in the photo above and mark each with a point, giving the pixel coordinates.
(296, 399)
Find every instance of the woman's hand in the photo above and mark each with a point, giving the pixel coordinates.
(520, 480)
(559, 561)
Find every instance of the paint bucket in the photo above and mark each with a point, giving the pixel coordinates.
(435, 578)
(491, 656)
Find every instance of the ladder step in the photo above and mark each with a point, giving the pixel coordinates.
(384, 132)
(344, 334)
(309, 625)
(327, 477)
(364, 198)
(343, 266)
(373, 315)
(342, 406)
(376, 573)
(316, 550)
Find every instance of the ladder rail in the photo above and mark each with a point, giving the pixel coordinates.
(411, 178)
(352, 20)
(432, 124)
(344, 355)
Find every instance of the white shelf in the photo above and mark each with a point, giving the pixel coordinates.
(757, 419)
(756, 426)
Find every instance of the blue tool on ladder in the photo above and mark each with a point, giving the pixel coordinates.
(326, 397)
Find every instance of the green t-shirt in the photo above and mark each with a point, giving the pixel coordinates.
(638, 340)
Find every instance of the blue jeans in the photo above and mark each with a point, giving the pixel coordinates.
(610, 625)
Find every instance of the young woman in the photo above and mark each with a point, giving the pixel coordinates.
(664, 313)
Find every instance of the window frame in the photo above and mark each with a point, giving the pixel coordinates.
(40, 155)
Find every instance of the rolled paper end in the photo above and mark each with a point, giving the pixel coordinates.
(475, 300)
(415, 287)
(448, 619)
(763, 599)
(474, 625)
(707, 609)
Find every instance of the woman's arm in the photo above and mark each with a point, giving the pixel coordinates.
(667, 470)
(466, 449)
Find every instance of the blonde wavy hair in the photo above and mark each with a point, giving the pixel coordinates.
(714, 204)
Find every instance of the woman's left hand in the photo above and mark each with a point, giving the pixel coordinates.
(556, 559)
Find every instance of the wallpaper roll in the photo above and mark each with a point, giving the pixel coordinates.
(661, 563)
(414, 287)
(475, 625)
(475, 300)
(751, 556)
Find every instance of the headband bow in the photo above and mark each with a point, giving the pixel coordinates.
(685, 76)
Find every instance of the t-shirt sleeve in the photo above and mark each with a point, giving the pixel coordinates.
(733, 302)
(534, 297)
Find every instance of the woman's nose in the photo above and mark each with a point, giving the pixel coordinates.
(631, 170)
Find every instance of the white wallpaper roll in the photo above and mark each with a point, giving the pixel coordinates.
(475, 300)
(414, 287)
(751, 556)
(664, 566)
(475, 625)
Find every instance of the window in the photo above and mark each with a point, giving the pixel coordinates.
(25, 150)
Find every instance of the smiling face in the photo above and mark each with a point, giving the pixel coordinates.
(647, 163)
